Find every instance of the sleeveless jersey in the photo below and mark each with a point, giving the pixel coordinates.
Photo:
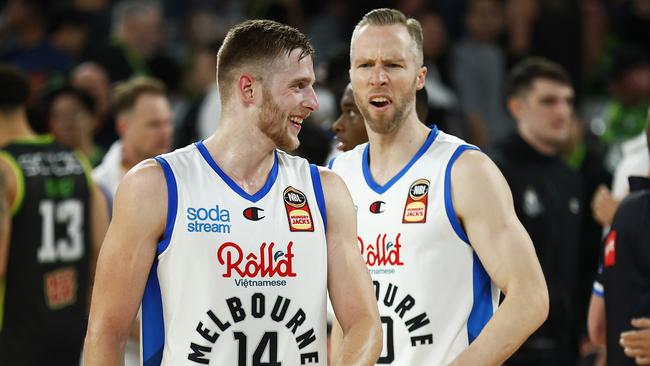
(239, 279)
(433, 294)
(46, 293)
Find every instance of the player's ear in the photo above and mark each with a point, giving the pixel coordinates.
(245, 88)
(422, 74)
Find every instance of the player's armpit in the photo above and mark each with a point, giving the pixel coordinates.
(348, 279)
(483, 202)
(124, 262)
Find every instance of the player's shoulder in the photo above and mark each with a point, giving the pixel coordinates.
(347, 158)
(190, 151)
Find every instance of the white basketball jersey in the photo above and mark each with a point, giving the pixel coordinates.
(239, 279)
(433, 294)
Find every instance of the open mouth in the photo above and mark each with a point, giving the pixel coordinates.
(296, 121)
(380, 102)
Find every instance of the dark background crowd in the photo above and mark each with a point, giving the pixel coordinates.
(81, 48)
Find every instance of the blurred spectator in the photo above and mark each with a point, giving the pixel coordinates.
(68, 32)
(630, 89)
(547, 197)
(442, 99)
(93, 79)
(26, 44)
(72, 121)
(201, 114)
(619, 313)
(584, 156)
(635, 162)
(477, 71)
(144, 123)
(137, 45)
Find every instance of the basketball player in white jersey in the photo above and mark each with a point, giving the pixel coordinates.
(437, 227)
(232, 244)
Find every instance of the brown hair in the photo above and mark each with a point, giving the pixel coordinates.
(255, 44)
(523, 75)
(126, 93)
(385, 16)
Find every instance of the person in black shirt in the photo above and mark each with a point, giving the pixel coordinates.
(547, 197)
(619, 314)
(52, 219)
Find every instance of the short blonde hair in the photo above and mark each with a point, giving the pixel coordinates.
(385, 16)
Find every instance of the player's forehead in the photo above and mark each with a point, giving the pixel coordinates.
(382, 42)
(293, 67)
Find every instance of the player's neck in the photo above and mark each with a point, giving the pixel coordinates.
(389, 153)
(243, 152)
(14, 126)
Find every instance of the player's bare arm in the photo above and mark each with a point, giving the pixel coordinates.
(348, 280)
(483, 202)
(99, 225)
(7, 196)
(126, 256)
(596, 327)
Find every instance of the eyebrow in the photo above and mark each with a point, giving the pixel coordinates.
(305, 79)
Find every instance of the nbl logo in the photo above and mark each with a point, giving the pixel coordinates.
(415, 210)
(298, 213)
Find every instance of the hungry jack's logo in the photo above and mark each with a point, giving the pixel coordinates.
(298, 213)
(415, 209)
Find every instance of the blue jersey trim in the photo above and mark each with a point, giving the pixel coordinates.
(482, 307)
(318, 190)
(152, 323)
(449, 204)
(253, 198)
(172, 204)
(365, 162)
(331, 163)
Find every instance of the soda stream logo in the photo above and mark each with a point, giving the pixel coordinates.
(381, 252)
(206, 220)
(268, 262)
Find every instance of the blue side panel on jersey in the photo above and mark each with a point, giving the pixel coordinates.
(449, 204)
(318, 189)
(172, 204)
(482, 308)
(365, 162)
(254, 197)
(331, 163)
(153, 327)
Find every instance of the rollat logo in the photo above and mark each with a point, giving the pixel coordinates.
(415, 209)
(298, 213)
(382, 252)
(266, 263)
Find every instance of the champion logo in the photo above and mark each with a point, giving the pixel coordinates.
(377, 207)
(254, 213)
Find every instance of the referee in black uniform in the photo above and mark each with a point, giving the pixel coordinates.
(624, 281)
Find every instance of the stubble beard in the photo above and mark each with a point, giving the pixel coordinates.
(274, 124)
(387, 124)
